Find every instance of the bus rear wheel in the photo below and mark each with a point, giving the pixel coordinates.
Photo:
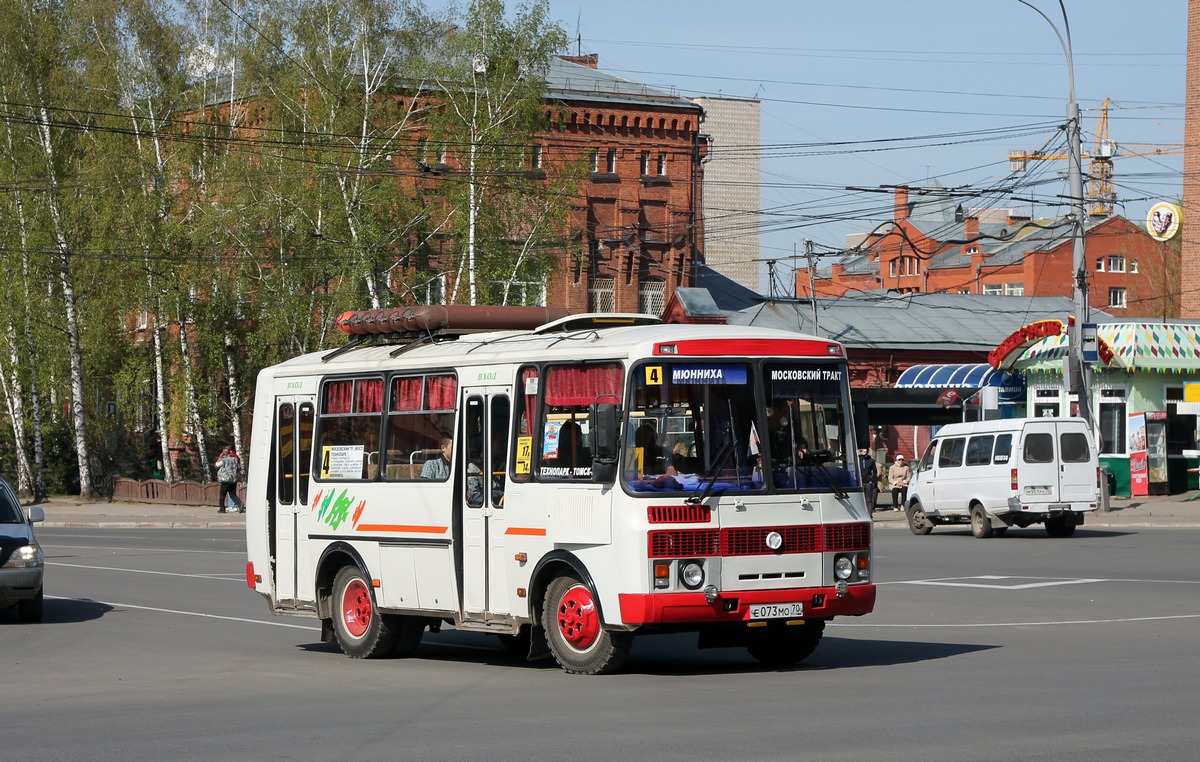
(362, 631)
(782, 645)
(574, 632)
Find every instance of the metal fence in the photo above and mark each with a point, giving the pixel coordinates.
(175, 493)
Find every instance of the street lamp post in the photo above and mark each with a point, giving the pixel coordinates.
(1080, 372)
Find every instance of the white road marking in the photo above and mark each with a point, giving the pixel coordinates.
(1026, 586)
(146, 550)
(186, 613)
(224, 577)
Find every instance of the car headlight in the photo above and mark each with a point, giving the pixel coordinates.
(843, 567)
(25, 557)
(691, 574)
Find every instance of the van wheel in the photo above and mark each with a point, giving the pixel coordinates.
(918, 522)
(981, 525)
(1062, 525)
(574, 632)
(361, 631)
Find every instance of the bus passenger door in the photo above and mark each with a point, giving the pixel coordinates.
(291, 459)
(484, 452)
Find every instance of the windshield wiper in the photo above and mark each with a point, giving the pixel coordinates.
(709, 479)
(817, 458)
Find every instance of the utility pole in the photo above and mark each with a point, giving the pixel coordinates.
(1077, 372)
(812, 286)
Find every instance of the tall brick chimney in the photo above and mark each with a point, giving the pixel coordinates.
(900, 212)
(970, 232)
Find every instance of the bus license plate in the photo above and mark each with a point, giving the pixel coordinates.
(776, 610)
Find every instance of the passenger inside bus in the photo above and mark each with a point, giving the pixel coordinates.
(439, 468)
(654, 459)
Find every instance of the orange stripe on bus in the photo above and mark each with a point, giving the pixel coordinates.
(401, 528)
(532, 531)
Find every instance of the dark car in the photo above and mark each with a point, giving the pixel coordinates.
(21, 561)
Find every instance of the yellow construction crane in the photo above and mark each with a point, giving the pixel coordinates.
(1100, 194)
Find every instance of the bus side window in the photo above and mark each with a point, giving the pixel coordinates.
(349, 430)
(420, 408)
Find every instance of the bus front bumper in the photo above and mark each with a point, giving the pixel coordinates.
(735, 606)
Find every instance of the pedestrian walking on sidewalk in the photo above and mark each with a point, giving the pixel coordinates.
(229, 469)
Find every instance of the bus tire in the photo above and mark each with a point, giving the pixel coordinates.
(1062, 525)
(574, 633)
(981, 524)
(918, 522)
(361, 630)
(781, 645)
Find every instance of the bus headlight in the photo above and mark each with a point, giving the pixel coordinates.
(843, 567)
(691, 574)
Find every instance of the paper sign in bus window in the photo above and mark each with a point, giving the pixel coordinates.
(342, 461)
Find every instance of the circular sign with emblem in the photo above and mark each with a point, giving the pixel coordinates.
(1163, 220)
(774, 540)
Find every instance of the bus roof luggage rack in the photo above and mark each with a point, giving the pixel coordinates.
(409, 325)
(597, 320)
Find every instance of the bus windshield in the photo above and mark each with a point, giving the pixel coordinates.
(693, 422)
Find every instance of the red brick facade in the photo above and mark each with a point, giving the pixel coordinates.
(637, 218)
(1129, 273)
(1190, 265)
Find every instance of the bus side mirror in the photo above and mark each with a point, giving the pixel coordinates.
(862, 432)
(602, 441)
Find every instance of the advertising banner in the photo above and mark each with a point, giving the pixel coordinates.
(1139, 472)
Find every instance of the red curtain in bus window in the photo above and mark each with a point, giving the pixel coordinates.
(527, 420)
(441, 392)
(406, 393)
(368, 395)
(579, 385)
(337, 396)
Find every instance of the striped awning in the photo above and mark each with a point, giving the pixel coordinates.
(972, 376)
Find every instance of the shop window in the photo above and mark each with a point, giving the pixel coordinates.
(1046, 403)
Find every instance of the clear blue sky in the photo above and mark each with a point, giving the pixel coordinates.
(878, 70)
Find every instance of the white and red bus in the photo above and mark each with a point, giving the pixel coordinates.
(564, 482)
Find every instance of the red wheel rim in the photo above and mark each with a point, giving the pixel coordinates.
(577, 618)
(356, 608)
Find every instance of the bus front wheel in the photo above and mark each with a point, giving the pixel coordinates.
(574, 632)
(362, 631)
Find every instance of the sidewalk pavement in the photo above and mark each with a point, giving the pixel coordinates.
(1155, 511)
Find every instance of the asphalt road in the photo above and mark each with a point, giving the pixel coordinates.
(1015, 648)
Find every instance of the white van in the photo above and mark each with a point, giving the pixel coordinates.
(1003, 473)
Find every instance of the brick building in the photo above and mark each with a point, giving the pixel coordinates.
(639, 211)
(933, 246)
(1189, 286)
